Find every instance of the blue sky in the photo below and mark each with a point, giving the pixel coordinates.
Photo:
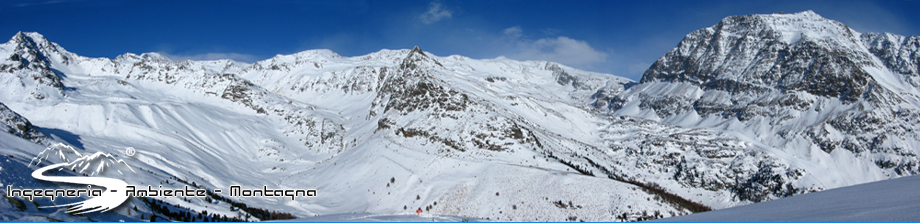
(617, 37)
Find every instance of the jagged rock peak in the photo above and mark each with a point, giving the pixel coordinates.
(26, 36)
(730, 48)
(418, 57)
(32, 40)
(804, 16)
(417, 50)
(786, 28)
(34, 47)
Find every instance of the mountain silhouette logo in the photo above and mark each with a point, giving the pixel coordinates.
(92, 167)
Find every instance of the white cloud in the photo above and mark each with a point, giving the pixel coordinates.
(435, 13)
(560, 49)
(514, 32)
(246, 58)
(50, 2)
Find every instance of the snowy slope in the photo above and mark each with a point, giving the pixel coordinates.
(888, 200)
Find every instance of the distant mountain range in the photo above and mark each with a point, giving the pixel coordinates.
(755, 108)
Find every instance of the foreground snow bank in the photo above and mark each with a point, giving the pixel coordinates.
(887, 200)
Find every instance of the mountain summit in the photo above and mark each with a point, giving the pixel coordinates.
(809, 88)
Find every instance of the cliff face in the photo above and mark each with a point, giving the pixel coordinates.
(805, 87)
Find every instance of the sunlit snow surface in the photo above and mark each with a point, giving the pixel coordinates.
(888, 200)
(384, 218)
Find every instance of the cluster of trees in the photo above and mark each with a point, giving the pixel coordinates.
(644, 216)
(664, 195)
(185, 214)
(262, 214)
(179, 213)
(182, 214)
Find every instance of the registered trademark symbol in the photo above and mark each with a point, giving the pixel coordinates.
(130, 151)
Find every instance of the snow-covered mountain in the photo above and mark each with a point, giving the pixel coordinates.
(755, 108)
(835, 107)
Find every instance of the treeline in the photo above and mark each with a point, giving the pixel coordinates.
(184, 214)
(259, 213)
(663, 194)
(191, 215)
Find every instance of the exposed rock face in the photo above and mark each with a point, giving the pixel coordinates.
(30, 64)
(17, 125)
(794, 83)
(415, 103)
(898, 53)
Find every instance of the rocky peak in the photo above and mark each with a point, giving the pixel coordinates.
(411, 86)
(794, 78)
(36, 47)
(29, 39)
(418, 59)
(787, 28)
(31, 58)
(417, 50)
(416, 69)
(755, 54)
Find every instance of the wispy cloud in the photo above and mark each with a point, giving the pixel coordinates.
(560, 49)
(514, 32)
(246, 58)
(36, 2)
(435, 13)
